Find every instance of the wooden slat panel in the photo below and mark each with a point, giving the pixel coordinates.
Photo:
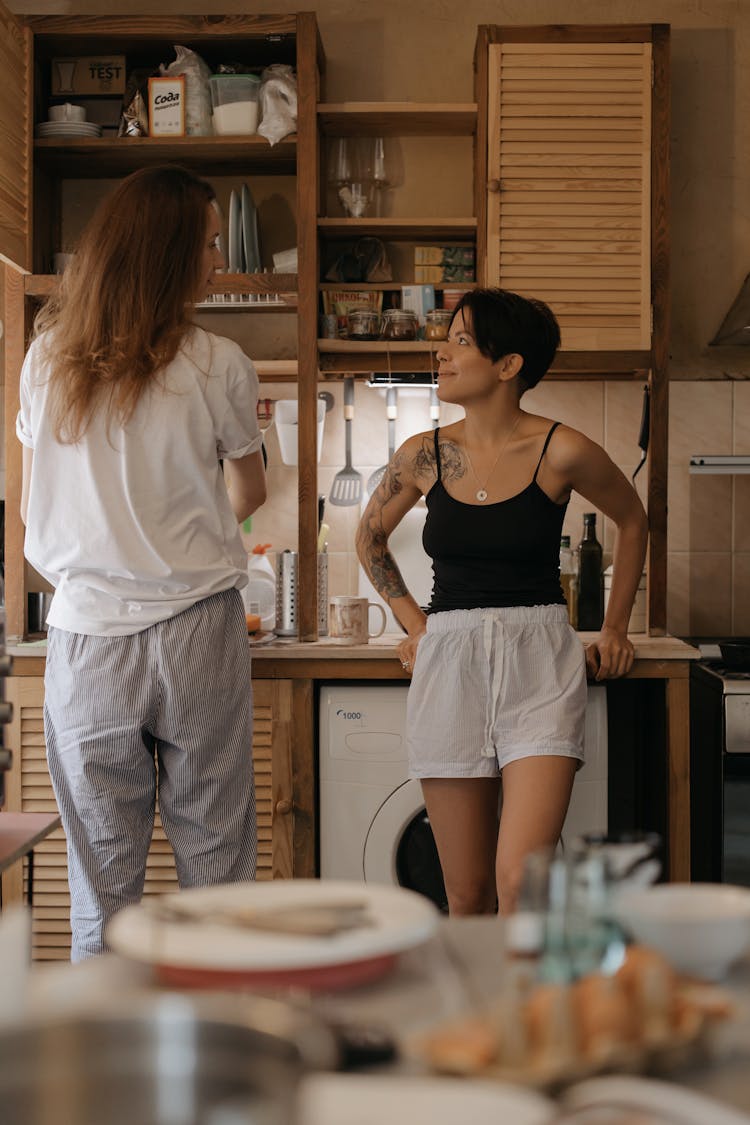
(15, 140)
(561, 138)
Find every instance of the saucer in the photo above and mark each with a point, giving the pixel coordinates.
(68, 129)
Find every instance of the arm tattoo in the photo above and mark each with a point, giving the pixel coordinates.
(452, 461)
(372, 541)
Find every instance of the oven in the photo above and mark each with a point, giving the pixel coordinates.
(720, 763)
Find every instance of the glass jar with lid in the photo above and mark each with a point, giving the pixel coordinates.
(363, 324)
(436, 324)
(399, 324)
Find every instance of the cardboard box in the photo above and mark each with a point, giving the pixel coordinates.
(166, 107)
(419, 298)
(88, 74)
(438, 275)
(444, 256)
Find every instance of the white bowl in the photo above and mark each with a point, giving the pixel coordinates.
(701, 928)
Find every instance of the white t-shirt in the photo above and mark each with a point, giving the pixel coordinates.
(135, 527)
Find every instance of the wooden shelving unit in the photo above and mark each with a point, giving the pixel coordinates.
(38, 167)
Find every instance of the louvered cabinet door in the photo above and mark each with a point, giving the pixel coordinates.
(569, 177)
(29, 789)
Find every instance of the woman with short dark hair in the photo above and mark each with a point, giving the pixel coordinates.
(498, 674)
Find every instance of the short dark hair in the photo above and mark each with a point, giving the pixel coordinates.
(503, 322)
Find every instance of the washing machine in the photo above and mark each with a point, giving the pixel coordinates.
(373, 823)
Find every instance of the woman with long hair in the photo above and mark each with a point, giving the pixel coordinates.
(498, 674)
(128, 410)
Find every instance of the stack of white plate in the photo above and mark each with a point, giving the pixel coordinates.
(60, 129)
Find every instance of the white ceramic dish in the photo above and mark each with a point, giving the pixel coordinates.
(68, 129)
(235, 234)
(648, 1100)
(205, 952)
(701, 928)
(250, 232)
(371, 1099)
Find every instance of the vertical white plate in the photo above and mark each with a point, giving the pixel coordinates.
(250, 231)
(235, 234)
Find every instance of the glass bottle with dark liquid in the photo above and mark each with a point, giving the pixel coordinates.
(590, 578)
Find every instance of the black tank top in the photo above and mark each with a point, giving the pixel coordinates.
(487, 555)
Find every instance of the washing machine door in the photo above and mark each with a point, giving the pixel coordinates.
(400, 847)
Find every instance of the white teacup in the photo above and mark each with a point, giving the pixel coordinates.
(67, 112)
(348, 622)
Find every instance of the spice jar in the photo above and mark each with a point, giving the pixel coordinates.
(399, 324)
(363, 324)
(436, 324)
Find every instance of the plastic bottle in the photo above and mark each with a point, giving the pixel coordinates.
(569, 578)
(590, 578)
(260, 592)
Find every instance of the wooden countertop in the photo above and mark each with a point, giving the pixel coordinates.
(382, 648)
(281, 657)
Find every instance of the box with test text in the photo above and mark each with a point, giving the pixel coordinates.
(88, 74)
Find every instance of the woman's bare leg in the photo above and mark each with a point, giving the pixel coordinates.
(536, 794)
(463, 818)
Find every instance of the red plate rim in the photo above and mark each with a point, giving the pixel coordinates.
(317, 978)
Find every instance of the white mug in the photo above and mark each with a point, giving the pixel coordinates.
(61, 261)
(348, 622)
(67, 112)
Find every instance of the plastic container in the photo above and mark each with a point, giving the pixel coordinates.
(234, 100)
(285, 420)
(260, 592)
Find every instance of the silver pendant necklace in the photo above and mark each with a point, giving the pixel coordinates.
(481, 493)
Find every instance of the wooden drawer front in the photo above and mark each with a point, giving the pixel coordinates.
(31, 791)
(569, 143)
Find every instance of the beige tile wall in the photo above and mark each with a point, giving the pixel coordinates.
(709, 516)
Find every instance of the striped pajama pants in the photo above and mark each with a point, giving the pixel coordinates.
(168, 707)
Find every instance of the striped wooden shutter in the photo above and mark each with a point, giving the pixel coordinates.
(16, 89)
(569, 143)
(32, 792)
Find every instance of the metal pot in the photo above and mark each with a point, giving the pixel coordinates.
(165, 1059)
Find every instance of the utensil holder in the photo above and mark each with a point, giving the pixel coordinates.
(287, 567)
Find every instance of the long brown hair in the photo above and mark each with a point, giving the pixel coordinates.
(123, 304)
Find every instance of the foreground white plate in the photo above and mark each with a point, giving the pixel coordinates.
(400, 919)
(666, 1101)
(345, 1099)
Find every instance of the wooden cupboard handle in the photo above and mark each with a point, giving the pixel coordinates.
(493, 185)
(284, 807)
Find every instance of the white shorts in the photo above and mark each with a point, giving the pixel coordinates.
(494, 685)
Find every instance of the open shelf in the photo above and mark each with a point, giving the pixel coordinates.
(283, 284)
(98, 158)
(411, 230)
(403, 119)
(388, 286)
(339, 356)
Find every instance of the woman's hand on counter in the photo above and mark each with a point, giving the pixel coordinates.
(407, 649)
(610, 655)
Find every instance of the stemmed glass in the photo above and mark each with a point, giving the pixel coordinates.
(357, 170)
